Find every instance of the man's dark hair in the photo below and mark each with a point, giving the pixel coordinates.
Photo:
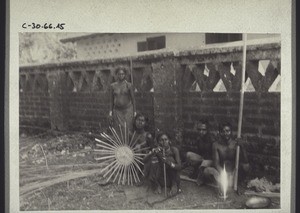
(204, 121)
(146, 121)
(160, 134)
(223, 124)
(121, 68)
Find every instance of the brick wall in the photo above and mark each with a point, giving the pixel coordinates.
(88, 111)
(34, 109)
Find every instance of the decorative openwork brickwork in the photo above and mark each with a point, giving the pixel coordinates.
(33, 82)
(142, 79)
(88, 81)
(40, 83)
(102, 80)
(22, 82)
(206, 76)
(226, 76)
(263, 73)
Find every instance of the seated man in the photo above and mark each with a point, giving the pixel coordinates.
(203, 157)
(166, 154)
(224, 154)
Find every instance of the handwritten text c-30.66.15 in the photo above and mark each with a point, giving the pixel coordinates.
(46, 26)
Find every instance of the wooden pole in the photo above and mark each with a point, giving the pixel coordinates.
(165, 173)
(131, 74)
(44, 156)
(240, 112)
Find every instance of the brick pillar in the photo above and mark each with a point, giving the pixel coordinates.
(166, 97)
(56, 82)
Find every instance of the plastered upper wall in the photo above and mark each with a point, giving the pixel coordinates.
(125, 44)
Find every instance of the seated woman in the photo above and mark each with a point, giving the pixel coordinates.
(142, 141)
(140, 127)
(162, 154)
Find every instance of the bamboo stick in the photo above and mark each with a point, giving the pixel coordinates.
(103, 150)
(134, 170)
(114, 170)
(139, 154)
(137, 159)
(128, 175)
(107, 137)
(130, 172)
(135, 179)
(108, 168)
(116, 139)
(111, 165)
(105, 147)
(105, 144)
(138, 167)
(122, 136)
(125, 133)
(127, 136)
(118, 171)
(165, 175)
(106, 157)
(140, 150)
(133, 144)
(116, 135)
(240, 113)
(120, 174)
(131, 74)
(131, 139)
(44, 156)
(124, 176)
(113, 143)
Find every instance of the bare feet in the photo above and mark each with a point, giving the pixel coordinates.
(157, 190)
(173, 191)
(200, 181)
(221, 194)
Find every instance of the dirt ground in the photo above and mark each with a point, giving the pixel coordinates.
(58, 172)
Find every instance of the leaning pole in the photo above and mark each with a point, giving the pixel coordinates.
(242, 91)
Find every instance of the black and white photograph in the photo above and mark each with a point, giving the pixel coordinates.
(107, 119)
(114, 121)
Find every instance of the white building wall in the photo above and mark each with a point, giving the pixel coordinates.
(185, 40)
(252, 36)
(130, 41)
(118, 45)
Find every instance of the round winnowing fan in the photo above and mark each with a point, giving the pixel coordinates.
(121, 155)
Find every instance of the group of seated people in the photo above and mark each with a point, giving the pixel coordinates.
(163, 160)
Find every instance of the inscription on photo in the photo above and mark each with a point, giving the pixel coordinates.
(34, 26)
